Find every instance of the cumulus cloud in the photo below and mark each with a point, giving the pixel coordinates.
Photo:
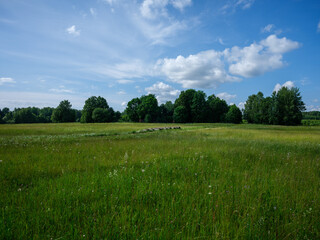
(279, 45)
(123, 104)
(155, 8)
(73, 31)
(226, 96)
(202, 70)
(259, 58)
(288, 84)
(5, 80)
(163, 92)
(207, 69)
(121, 92)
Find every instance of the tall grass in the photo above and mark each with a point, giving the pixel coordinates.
(104, 181)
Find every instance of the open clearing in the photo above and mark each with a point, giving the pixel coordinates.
(204, 181)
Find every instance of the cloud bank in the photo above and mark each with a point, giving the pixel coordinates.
(211, 68)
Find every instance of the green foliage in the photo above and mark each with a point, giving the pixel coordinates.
(217, 109)
(24, 115)
(64, 113)
(45, 115)
(282, 108)
(312, 115)
(199, 107)
(185, 100)
(165, 112)
(310, 122)
(288, 106)
(132, 109)
(89, 106)
(234, 115)
(148, 106)
(100, 115)
(180, 115)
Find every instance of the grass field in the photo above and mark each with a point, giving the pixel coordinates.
(205, 181)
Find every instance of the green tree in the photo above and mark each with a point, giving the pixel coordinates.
(255, 109)
(180, 114)
(185, 100)
(132, 109)
(24, 115)
(89, 106)
(100, 115)
(45, 115)
(234, 115)
(148, 105)
(288, 106)
(64, 113)
(165, 112)
(217, 109)
(199, 107)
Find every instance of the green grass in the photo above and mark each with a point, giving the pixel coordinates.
(205, 181)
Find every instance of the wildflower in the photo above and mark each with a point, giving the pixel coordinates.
(210, 193)
(19, 189)
(0, 160)
(142, 170)
(209, 186)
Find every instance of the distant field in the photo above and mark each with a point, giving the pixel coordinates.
(205, 181)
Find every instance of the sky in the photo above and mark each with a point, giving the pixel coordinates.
(54, 50)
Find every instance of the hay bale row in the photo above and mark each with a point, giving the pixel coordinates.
(157, 129)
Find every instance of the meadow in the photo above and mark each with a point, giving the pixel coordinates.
(203, 181)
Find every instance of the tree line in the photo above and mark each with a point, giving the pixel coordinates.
(284, 107)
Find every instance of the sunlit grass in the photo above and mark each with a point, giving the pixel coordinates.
(205, 181)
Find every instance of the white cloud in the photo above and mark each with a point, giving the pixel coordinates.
(232, 5)
(226, 96)
(259, 58)
(152, 9)
(163, 92)
(279, 45)
(313, 108)
(181, 4)
(121, 92)
(60, 90)
(267, 28)
(73, 31)
(288, 84)
(207, 69)
(318, 28)
(4, 80)
(241, 105)
(26, 99)
(245, 4)
(126, 70)
(125, 81)
(123, 104)
(202, 70)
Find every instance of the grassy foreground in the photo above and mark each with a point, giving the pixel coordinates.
(205, 181)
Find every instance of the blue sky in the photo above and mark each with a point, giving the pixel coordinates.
(120, 49)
